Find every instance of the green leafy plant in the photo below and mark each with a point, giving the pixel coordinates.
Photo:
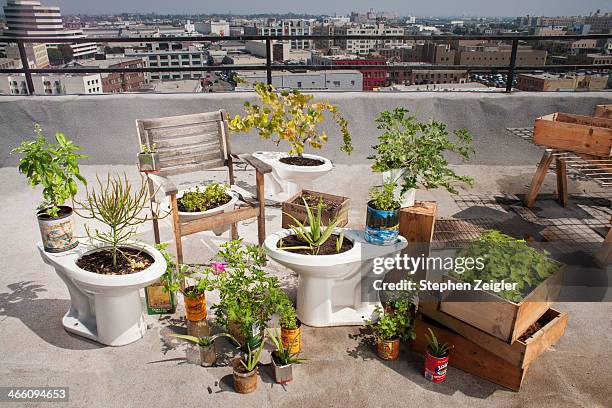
(313, 233)
(382, 198)
(292, 117)
(204, 341)
(418, 148)
(287, 314)
(146, 149)
(394, 324)
(119, 208)
(213, 195)
(52, 165)
(192, 281)
(250, 361)
(505, 257)
(284, 354)
(247, 295)
(436, 348)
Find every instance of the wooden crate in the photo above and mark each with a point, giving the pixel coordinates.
(416, 223)
(575, 133)
(603, 111)
(469, 356)
(499, 317)
(520, 353)
(295, 207)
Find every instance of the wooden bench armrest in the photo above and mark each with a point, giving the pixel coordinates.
(260, 166)
(163, 183)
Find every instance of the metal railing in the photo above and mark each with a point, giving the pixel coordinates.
(511, 69)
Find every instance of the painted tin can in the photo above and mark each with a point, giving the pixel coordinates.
(57, 233)
(435, 368)
(382, 227)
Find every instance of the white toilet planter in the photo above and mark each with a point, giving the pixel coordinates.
(407, 200)
(329, 286)
(185, 216)
(104, 308)
(286, 180)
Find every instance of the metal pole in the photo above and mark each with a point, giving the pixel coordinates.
(512, 66)
(269, 61)
(26, 67)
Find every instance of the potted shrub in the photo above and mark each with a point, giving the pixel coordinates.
(411, 153)
(245, 370)
(55, 167)
(382, 217)
(283, 359)
(392, 326)
(193, 283)
(206, 344)
(292, 117)
(248, 297)
(328, 261)
(291, 327)
(436, 358)
(148, 159)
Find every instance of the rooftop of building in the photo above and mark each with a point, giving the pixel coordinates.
(341, 369)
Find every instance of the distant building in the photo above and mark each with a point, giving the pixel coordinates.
(337, 80)
(561, 82)
(10, 63)
(116, 82)
(217, 28)
(372, 77)
(364, 47)
(412, 75)
(65, 84)
(170, 54)
(36, 54)
(280, 49)
(284, 27)
(498, 56)
(28, 18)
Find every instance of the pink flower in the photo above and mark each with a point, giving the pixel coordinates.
(218, 267)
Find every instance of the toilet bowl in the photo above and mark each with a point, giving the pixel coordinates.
(286, 180)
(104, 308)
(330, 289)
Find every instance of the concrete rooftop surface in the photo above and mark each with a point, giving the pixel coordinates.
(341, 371)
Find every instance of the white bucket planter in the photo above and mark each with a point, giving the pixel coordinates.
(104, 308)
(185, 216)
(407, 200)
(286, 180)
(329, 286)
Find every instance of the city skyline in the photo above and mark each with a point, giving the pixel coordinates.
(445, 8)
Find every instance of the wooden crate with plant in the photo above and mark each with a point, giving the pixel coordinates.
(511, 312)
(334, 208)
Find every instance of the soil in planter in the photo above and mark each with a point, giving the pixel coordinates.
(301, 161)
(534, 328)
(205, 204)
(129, 261)
(63, 211)
(313, 201)
(328, 248)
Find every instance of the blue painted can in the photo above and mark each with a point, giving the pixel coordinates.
(382, 227)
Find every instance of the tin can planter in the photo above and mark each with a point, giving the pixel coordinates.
(388, 349)
(282, 373)
(149, 162)
(292, 337)
(435, 367)
(208, 355)
(382, 227)
(245, 382)
(57, 233)
(195, 307)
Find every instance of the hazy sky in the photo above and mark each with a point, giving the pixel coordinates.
(403, 7)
